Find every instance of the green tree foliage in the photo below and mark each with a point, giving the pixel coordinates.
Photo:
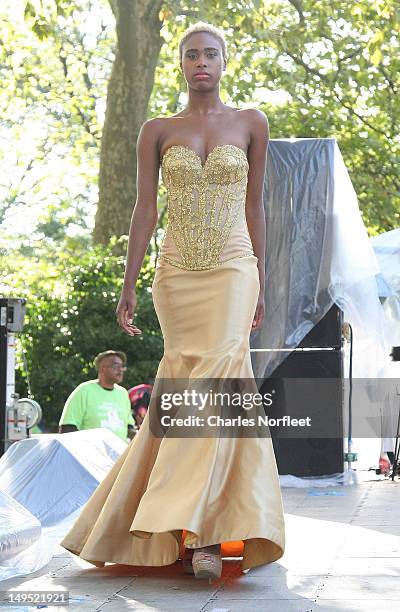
(69, 323)
(54, 67)
(318, 69)
(340, 63)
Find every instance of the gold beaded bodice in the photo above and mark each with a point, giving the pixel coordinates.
(206, 207)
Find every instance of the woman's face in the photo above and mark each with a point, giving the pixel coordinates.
(202, 61)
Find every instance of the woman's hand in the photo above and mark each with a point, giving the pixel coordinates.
(260, 312)
(125, 311)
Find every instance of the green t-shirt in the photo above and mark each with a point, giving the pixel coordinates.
(90, 406)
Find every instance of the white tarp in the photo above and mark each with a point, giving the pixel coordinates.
(52, 475)
(44, 481)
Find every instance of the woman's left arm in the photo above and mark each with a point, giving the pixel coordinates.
(255, 215)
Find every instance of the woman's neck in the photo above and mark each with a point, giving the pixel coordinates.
(204, 103)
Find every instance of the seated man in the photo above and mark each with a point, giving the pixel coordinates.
(101, 402)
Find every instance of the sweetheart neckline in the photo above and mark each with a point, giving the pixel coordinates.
(218, 146)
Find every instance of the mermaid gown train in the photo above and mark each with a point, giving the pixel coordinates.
(164, 493)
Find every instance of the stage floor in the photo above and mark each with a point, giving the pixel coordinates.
(342, 553)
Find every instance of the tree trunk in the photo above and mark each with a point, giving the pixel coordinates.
(129, 89)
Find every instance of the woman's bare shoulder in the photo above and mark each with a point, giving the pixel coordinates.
(154, 129)
(158, 122)
(254, 115)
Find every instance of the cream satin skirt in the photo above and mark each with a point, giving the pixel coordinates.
(163, 493)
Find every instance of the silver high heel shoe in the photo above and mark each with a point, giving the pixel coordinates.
(206, 565)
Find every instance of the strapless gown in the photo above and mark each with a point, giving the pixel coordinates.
(167, 493)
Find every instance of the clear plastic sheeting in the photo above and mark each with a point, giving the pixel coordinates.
(18, 527)
(22, 547)
(317, 253)
(52, 475)
(387, 250)
(27, 561)
(348, 477)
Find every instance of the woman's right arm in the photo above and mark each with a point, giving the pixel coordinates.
(143, 222)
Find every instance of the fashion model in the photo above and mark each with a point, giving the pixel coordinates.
(195, 498)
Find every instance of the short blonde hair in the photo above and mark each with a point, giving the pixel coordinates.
(202, 26)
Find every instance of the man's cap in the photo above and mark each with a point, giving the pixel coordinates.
(101, 356)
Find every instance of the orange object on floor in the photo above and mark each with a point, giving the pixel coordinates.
(228, 549)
